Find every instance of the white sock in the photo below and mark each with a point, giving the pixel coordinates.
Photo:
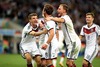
(54, 62)
(33, 62)
(62, 59)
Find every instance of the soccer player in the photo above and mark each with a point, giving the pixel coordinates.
(51, 43)
(91, 32)
(28, 46)
(61, 46)
(70, 36)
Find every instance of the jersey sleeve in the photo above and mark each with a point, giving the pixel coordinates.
(82, 32)
(98, 30)
(67, 19)
(50, 25)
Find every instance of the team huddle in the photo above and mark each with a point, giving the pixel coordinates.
(42, 39)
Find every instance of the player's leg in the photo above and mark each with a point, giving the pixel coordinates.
(90, 53)
(28, 59)
(49, 62)
(62, 59)
(25, 52)
(38, 60)
(43, 60)
(54, 61)
(73, 51)
(61, 48)
(33, 63)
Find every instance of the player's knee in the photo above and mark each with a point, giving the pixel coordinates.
(68, 63)
(85, 63)
(38, 59)
(28, 58)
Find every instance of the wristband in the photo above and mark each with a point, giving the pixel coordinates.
(47, 44)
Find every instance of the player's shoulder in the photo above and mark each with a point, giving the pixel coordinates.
(27, 26)
(51, 22)
(84, 25)
(96, 25)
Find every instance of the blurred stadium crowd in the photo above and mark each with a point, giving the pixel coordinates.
(18, 10)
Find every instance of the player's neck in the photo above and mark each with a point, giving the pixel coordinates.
(34, 26)
(90, 24)
(48, 16)
(64, 14)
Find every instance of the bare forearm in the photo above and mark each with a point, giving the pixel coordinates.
(99, 40)
(38, 33)
(50, 38)
(56, 19)
(41, 32)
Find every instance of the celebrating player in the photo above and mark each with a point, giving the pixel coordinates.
(51, 43)
(91, 32)
(28, 46)
(70, 36)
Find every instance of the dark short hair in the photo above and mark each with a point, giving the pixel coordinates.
(90, 13)
(48, 8)
(32, 14)
(65, 7)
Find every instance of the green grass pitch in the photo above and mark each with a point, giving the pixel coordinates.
(15, 60)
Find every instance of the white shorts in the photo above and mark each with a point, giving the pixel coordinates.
(52, 51)
(90, 53)
(61, 44)
(29, 48)
(73, 49)
(42, 40)
(43, 52)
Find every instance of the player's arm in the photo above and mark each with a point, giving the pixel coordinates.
(44, 31)
(51, 35)
(57, 34)
(98, 40)
(56, 19)
(81, 37)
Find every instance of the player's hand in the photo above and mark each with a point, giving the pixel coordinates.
(32, 33)
(44, 46)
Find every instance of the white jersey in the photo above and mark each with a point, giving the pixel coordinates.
(52, 49)
(26, 38)
(68, 30)
(91, 34)
(49, 25)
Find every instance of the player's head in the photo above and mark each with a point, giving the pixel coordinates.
(47, 10)
(33, 19)
(89, 17)
(62, 9)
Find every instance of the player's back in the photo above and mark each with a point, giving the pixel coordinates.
(51, 25)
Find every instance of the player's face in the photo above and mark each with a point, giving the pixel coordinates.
(33, 21)
(89, 19)
(60, 10)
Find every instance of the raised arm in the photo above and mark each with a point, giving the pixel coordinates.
(44, 31)
(56, 19)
